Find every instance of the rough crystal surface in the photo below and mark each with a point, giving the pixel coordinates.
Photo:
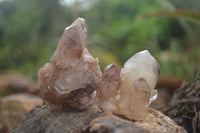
(73, 75)
(110, 82)
(136, 86)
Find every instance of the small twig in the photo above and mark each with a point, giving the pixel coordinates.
(194, 120)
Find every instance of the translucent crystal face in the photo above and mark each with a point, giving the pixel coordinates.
(142, 64)
(71, 45)
(79, 76)
(110, 81)
(135, 89)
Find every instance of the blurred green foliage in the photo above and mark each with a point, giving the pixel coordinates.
(30, 31)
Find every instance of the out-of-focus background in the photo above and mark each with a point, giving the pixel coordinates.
(30, 31)
(117, 29)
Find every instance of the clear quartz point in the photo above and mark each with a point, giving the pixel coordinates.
(154, 95)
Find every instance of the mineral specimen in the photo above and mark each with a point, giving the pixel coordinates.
(73, 75)
(130, 91)
(110, 82)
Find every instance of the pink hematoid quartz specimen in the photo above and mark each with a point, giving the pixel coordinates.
(73, 75)
(129, 92)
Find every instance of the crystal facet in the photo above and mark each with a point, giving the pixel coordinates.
(135, 90)
(73, 74)
(110, 81)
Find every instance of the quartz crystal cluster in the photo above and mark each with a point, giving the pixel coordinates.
(73, 75)
(129, 92)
